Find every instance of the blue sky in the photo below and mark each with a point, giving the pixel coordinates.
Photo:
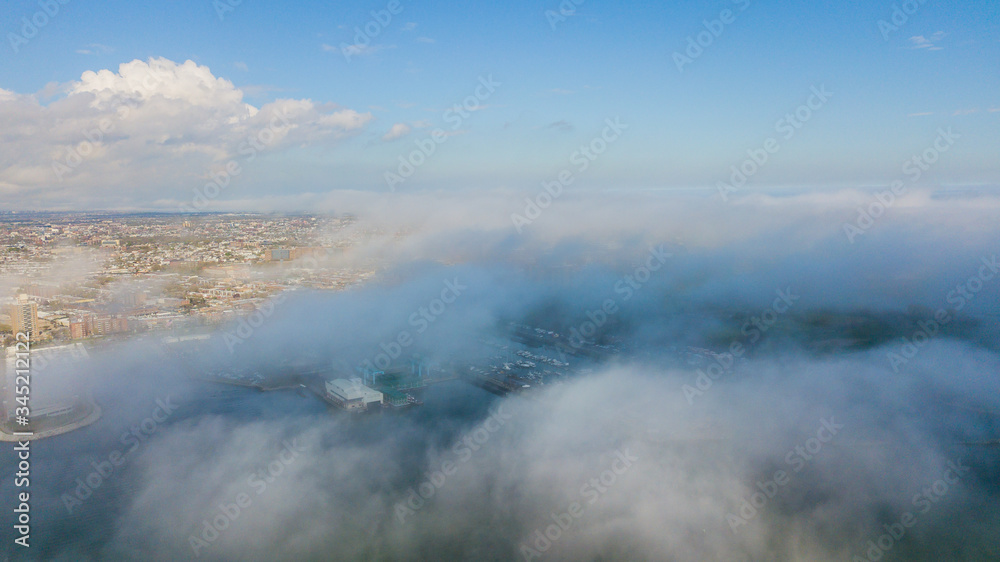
(941, 68)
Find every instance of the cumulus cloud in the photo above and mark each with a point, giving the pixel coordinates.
(148, 131)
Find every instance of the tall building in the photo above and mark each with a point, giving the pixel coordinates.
(24, 316)
(77, 328)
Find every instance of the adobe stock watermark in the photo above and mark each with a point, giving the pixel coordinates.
(566, 9)
(76, 154)
(581, 160)
(427, 146)
(227, 513)
(900, 15)
(752, 330)
(913, 169)
(421, 319)
(922, 502)
(593, 490)
(696, 44)
(30, 26)
(132, 439)
(248, 149)
(958, 297)
(364, 35)
(787, 126)
(796, 459)
(418, 496)
(249, 323)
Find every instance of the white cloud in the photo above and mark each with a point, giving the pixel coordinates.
(241, 65)
(167, 127)
(95, 49)
(399, 130)
(929, 43)
(357, 50)
(425, 40)
(144, 81)
(347, 119)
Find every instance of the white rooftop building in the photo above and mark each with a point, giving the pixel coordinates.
(50, 373)
(351, 394)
